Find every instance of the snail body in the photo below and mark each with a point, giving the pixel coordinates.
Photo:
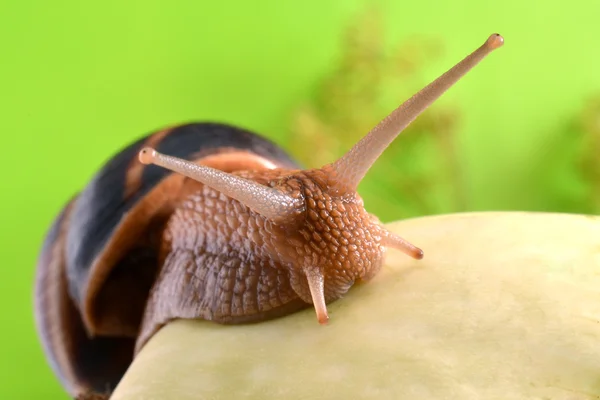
(208, 221)
(112, 229)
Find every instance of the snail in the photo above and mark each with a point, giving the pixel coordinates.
(208, 221)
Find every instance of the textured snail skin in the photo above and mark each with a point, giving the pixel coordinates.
(225, 263)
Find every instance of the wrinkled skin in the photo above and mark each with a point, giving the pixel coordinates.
(225, 263)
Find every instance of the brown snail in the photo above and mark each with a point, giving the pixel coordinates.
(239, 234)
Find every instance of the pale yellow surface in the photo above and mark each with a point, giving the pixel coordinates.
(503, 306)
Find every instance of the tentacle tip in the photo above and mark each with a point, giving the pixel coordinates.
(418, 254)
(323, 319)
(147, 155)
(494, 41)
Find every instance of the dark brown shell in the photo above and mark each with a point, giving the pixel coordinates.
(99, 259)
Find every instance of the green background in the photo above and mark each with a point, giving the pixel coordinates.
(79, 80)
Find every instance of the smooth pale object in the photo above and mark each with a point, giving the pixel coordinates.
(503, 306)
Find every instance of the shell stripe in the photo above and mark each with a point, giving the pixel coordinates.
(82, 364)
(104, 201)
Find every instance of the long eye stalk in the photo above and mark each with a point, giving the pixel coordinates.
(266, 201)
(353, 166)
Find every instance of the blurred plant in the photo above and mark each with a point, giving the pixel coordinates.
(589, 157)
(569, 171)
(419, 174)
